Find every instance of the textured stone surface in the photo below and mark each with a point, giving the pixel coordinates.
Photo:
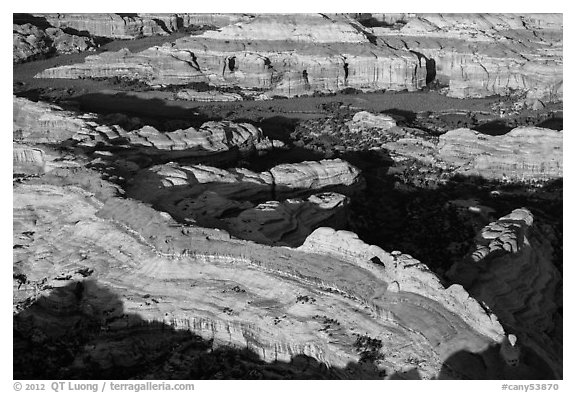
(524, 153)
(289, 222)
(135, 264)
(38, 122)
(31, 42)
(175, 181)
(114, 26)
(364, 120)
(207, 96)
(510, 269)
(482, 54)
(270, 52)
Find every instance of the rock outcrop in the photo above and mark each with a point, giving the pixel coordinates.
(207, 96)
(492, 54)
(31, 42)
(483, 54)
(115, 26)
(241, 201)
(154, 267)
(510, 270)
(38, 122)
(130, 26)
(28, 160)
(289, 222)
(362, 121)
(269, 52)
(179, 181)
(524, 153)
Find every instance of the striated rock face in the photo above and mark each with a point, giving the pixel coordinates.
(114, 26)
(524, 153)
(37, 122)
(135, 275)
(510, 269)
(314, 175)
(130, 26)
(156, 65)
(168, 180)
(231, 199)
(41, 122)
(30, 42)
(27, 160)
(483, 54)
(269, 52)
(404, 273)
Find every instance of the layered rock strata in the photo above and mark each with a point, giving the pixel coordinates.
(510, 269)
(524, 153)
(154, 268)
(178, 181)
(115, 26)
(483, 54)
(474, 54)
(241, 201)
(130, 26)
(37, 122)
(284, 54)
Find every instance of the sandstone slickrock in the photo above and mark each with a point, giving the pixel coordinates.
(363, 120)
(269, 52)
(146, 253)
(510, 269)
(239, 200)
(175, 181)
(31, 42)
(38, 122)
(524, 153)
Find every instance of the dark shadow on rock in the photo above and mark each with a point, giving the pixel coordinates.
(494, 128)
(38, 21)
(400, 115)
(80, 331)
(490, 365)
(554, 123)
(154, 112)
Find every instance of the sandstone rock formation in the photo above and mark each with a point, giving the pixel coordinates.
(483, 54)
(510, 270)
(270, 52)
(232, 199)
(175, 181)
(498, 54)
(524, 153)
(289, 222)
(207, 96)
(31, 42)
(364, 120)
(116, 26)
(28, 160)
(153, 266)
(37, 122)
(130, 26)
